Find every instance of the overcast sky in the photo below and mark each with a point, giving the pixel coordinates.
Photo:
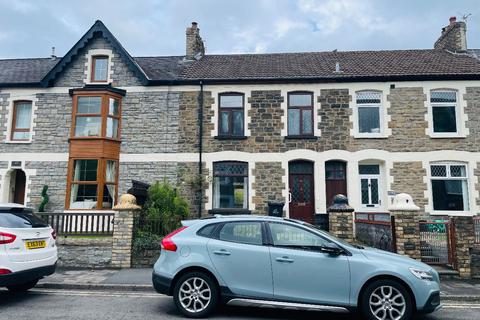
(29, 28)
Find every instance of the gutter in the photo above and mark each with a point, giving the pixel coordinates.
(200, 146)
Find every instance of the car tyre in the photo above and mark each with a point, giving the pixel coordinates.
(22, 287)
(195, 294)
(386, 297)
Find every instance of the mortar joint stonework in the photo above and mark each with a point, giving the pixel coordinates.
(341, 218)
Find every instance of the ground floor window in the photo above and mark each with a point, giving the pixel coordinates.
(449, 187)
(230, 185)
(369, 184)
(92, 184)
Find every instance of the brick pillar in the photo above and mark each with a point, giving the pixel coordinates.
(463, 244)
(125, 211)
(340, 216)
(407, 229)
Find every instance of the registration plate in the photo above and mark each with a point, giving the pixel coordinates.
(36, 244)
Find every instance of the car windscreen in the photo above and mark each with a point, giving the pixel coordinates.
(20, 220)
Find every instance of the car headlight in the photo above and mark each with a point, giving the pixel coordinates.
(421, 274)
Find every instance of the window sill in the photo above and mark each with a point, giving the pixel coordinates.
(370, 136)
(230, 137)
(18, 141)
(229, 211)
(447, 136)
(301, 138)
(94, 138)
(453, 213)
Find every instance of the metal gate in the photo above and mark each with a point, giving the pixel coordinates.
(437, 242)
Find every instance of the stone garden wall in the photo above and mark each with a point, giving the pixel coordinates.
(84, 252)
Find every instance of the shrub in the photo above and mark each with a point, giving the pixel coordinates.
(145, 240)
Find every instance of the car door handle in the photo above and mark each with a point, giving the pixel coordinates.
(222, 252)
(284, 259)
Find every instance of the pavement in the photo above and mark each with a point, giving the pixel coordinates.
(141, 280)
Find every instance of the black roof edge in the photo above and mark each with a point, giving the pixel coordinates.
(97, 87)
(98, 26)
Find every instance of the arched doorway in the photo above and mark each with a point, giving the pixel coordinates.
(301, 186)
(15, 183)
(335, 179)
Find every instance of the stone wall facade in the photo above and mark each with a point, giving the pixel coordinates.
(84, 252)
(268, 185)
(464, 243)
(408, 177)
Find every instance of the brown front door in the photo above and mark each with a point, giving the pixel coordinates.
(19, 192)
(335, 180)
(302, 204)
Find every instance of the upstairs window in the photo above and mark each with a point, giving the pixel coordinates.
(449, 187)
(230, 185)
(444, 111)
(300, 114)
(92, 184)
(231, 107)
(21, 122)
(99, 69)
(369, 105)
(96, 116)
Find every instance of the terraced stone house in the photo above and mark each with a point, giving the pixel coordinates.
(291, 127)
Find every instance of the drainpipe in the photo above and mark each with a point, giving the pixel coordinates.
(200, 145)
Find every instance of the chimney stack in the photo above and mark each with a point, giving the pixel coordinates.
(453, 37)
(195, 46)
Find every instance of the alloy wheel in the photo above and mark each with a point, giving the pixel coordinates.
(387, 303)
(195, 295)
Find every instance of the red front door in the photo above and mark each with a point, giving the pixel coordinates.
(301, 183)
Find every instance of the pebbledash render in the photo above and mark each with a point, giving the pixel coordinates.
(235, 132)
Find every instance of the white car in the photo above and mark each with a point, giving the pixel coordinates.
(27, 248)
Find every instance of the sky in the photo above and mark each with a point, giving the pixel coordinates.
(29, 28)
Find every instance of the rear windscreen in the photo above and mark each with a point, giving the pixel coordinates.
(20, 220)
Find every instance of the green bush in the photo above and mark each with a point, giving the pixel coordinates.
(165, 205)
(145, 240)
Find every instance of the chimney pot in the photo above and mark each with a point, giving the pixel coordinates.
(194, 24)
(195, 47)
(452, 20)
(453, 37)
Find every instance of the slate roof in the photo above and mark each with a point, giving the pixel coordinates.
(22, 71)
(321, 65)
(163, 68)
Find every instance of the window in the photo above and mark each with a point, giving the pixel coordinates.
(99, 69)
(369, 184)
(92, 184)
(96, 116)
(300, 114)
(369, 112)
(285, 235)
(444, 114)
(231, 114)
(449, 187)
(230, 185)
(242, 232)
(21, 122)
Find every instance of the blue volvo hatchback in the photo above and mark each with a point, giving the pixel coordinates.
(266, 261)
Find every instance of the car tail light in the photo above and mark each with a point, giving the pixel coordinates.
(167, 242)
(7, 237)
(5, 271)
(54, 234)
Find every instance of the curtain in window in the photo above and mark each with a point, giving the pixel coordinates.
(110, 177)
(369, 119)
(23, 116)
(76, 177)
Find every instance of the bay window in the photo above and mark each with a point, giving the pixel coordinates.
(368, 109)
(21, 122)
(444, 111)
(96, 116)
(300, 114)
(449, 187)
(231, 114)
(230, 185)
(92, 184)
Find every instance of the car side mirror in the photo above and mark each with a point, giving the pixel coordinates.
(332, 249)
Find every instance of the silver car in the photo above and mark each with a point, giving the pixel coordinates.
(266, 261)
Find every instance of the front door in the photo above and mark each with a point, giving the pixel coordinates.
(19, 186)
(335, 180)
(301, 197)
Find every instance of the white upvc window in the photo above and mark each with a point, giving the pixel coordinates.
(449, 185)
(369, 114)
(444, 113)
(370, 193)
